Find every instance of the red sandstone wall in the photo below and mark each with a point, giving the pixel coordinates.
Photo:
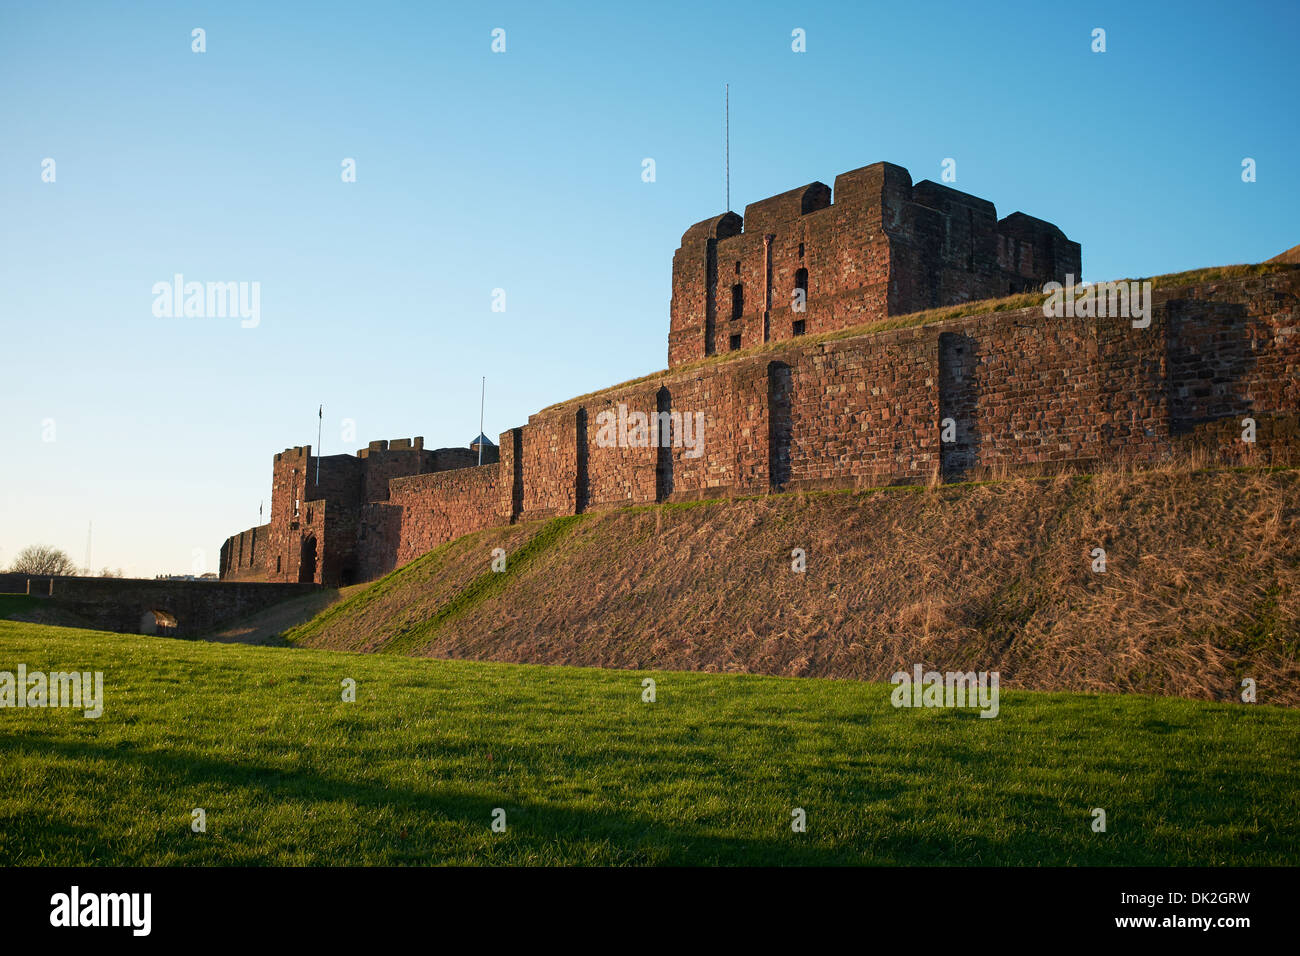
(549, 461)
(288, 485)
(385, 460)
(444, 505)
(1023, 390)
(1034, 390)
(1234, 352)
(294, 481)
(864, 410)
(618, 474)
(379, 534)
(338, 562)
(845, 249)
(243, 556)
(1230, 356)
(728, 453)
(510, 484)
(733, 398)
(1084, 390)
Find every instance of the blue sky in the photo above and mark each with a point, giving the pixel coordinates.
(520, 171)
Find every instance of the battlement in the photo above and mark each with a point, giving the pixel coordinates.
(814, 260)
(770, 214)
(396, 444)
(303, 452)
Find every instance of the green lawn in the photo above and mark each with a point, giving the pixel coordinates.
(588, 773)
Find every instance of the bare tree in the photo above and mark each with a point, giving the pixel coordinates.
(111, 573)
(43, 559)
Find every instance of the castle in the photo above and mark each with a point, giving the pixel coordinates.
(948, 399)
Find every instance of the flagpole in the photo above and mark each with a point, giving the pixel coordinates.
(320, 423)
(481, 398)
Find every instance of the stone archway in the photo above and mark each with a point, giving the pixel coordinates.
(307, 564)
(159, 622)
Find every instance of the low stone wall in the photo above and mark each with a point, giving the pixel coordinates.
(124, 604)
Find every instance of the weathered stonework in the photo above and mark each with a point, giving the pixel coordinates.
(443, 506)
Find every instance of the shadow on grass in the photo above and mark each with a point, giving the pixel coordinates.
(538, 830)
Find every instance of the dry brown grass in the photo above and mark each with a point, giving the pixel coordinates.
(1201, 587)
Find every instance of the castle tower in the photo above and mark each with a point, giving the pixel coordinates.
(798, 263)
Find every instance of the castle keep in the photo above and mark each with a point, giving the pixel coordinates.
(1017, 389)
(799, 264)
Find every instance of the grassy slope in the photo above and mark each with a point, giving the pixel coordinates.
(588, 773)
(1202, 587)
(413, 595)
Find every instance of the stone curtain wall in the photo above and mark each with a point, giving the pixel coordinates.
(442, 506)
(618, 476)
(1023, 391)
(1233, 355)
(402, 457)
(734, 399)
(379, 534)
(864, 411)
(243, 556)
(549, 463)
